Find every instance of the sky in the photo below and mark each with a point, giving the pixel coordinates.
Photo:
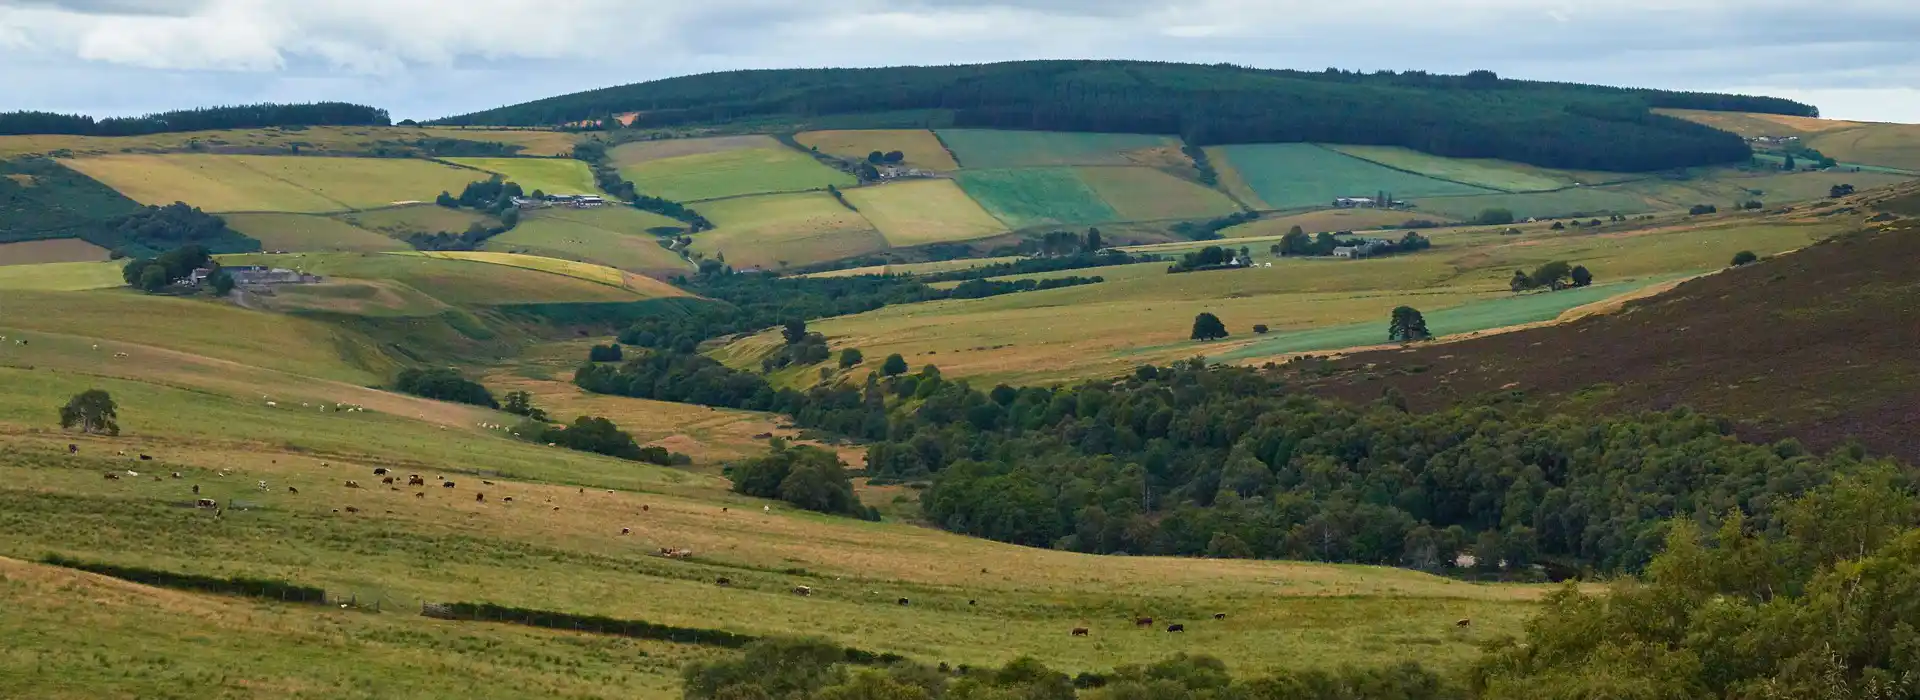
(422, 59)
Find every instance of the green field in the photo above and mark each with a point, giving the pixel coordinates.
(1147, 194)
(1581, 201)
(1297, 175)
(637, 152)
(787, 230)
(401, 222)
(219, 183)
(985, 148)
(733, 173)
(1490, 174)
(61, 277)
(922, 149)
(612, 236)
(455, 282)
(310, 233)
(1031, 197)
(1328, 220)
(919, 212)
(548, 175)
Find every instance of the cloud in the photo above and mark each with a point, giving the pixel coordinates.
(412, 52)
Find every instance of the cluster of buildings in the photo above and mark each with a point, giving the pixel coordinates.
(1368, 203)
(577, 201)
(1363, 248)
(252, 276)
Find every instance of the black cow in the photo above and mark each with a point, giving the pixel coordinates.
(1176, 628)
(1081, 632)
(903, 601)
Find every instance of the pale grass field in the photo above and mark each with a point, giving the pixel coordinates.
(221, 183)
(58, 250)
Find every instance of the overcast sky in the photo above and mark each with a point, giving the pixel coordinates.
(1855, 59)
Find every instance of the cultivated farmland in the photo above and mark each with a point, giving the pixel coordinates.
(1489, 174)
(401, 222)
(600, 274)
(455, 282)
(61, 277)
(1328, 220)
(57, 250)
(922, 149)
(1146, 194)
(1886, 145)
(548, 175)
(733, 173)
(637, 152)
(984, 148)
(309, 233)
(612, 236)
(320, 140)
(778, 231)
(1586, 201)
(918, 212)
(1297, 175)
(219, 183)
(1031, 197)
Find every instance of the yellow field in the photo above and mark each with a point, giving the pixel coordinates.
(922, 148)
(548, 175)
(1886, 145)
(612, 236)
(637, 152)
(307, 232)
(61, 277)
(272, 183)
(919, 212)
(601, 274)
(319, 140)
(58, 250)
(1751, 125)
(776, 231)
(400, 222)
(1146, 194)
(459, 282)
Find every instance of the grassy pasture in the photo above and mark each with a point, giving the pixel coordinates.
(458, 282)
(925, 268)
(635, 153)
(370, 298)
(306, 232)
(646, 287)
(549, 175)
(775, 231)
(401, 222)
(611, 236)
(918, 212)
(1887, 145)
(1146, 194)
(1029, 197)
(922, 148)
(1326, 220)
(987, 148)
(1296, 175)
(1584, 200)
(1751, 125)
(55, 250)
(61, 277)
(1489, 174)
(733, 173)
(323, 140)
(221, 183)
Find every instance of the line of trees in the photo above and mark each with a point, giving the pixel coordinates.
(1475, 116)
(238, 117)
(594, 153)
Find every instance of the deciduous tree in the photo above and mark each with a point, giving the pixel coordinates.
(93, 411)
(1207, 326)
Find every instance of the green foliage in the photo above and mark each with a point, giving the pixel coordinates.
(1494, 217)
(1703, 210)
(803, 475)
(231, 585)
(222, 283)
(207, 119)
(610, 181)
(1744, 258)
(93, 411)
(894, 366)
(155, 274)
(1838, 191)
(1407, 326)
(1553, 275)
(610, 352)
(520, 403)
(1207, 326)
(1210, 229)
(152, 278)
(1581, 276)
(597, 435)
(444, 385)
(1260, 329)
(850, 358)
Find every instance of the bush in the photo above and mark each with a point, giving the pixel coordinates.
(1703, 210)
(444, 385)
(1744, 258)
(803, 475)
(894, 366)
(1494, 217)
(605, 353)
(850, 358)
(1260, 329)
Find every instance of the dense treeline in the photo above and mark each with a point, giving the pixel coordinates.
(1475, 116)
(230, 585)
(444, 385)
(239, 117)
(153, 274)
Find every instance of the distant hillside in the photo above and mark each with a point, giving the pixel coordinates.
(1815, 345)
(1475, 116)
(242, 117)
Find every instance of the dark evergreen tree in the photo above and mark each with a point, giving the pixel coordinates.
(1408, 325)
(1207, 326)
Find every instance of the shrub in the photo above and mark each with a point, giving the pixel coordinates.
(1744, 258)
(444, 385)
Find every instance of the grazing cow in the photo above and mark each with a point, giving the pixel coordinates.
(802, 591)
(626, 531)
(486, 483)
(904, 601)
(644, 509)
(415, 480)
(508, 499)
(1464, 622)
(353, 484)
(1176, 628)
(205, 504)
(419, 495)
(387, 480)
(1082, 632)
(973, 602)
(380, 471)
(1143, 622)
(291, 489)
(73, 449)
(1219, 616)
(146, 458)
(110, 476)
(446, 485)
(176, 475)
(479, 498)
(196, 489)
(723, 581)
(352, 509)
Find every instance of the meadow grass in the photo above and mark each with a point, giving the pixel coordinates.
(370, 298)
(1295, 175)
(1147, 194)
(1487, 173)
(776, 231)
(607, 236)
(1327, 220)
(548, 175)
(646, 287)
(306, 232)
(220, 183)
(987, 148)
(922, 149)
(60, 277)
(1751, 124)
(56, 250)
(400, 222)
(925, 268)
(638, 152)
(462, 279)
(318, 140)
(1887, 145)
(1028, 197)
(919, 212)
(733, 173)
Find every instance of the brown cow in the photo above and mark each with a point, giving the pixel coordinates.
(446, 485)
(388, 481)
(353, 484)
(352, 509)
(1082, 632)
(110, 476)
(380, 471)
(291, 489)
(484, 482)
(418, 494)
(415, 480)
(1143, 622)
(629, 531)
(508, 499)
(479, 498)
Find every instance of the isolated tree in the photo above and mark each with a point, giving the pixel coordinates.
(222, 283)
(1552, 275)
(1495, 217)
(1207, 326)
(446, 200)
(1581, 277)
(850, 357)
(606, 353)
(1789, 165)
(1558, 226)
(867, 172)
(1408, 326)
(1752, 204)
(1094, 244)
(795, 332)
(93, 411)
(894, 366)
(1703, 210)
(1744, 258)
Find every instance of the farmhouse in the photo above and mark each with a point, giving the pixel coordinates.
(578, 201)
(253, 275)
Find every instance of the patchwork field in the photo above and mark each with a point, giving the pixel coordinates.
(57, 250)
(548, 175)
(1146, 194)
(922, 149)
(219, 183)
(1581, 201)
(1030, 197)
(1297, 175)
(401, 222)
(62, 277)
(1750, 125)
(613, 236)
(369, 298)
(1489, 174)
(320, 140)
(310, 233)
(733, 173)
(776, 231)
(984, 148)
(919, 212)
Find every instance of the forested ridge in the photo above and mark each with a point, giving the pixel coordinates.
(1477, 115)
(235, 117)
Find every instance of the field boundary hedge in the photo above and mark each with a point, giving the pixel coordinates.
(232, 585)
(638, 629)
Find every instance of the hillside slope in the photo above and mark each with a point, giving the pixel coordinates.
(1815, 345)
